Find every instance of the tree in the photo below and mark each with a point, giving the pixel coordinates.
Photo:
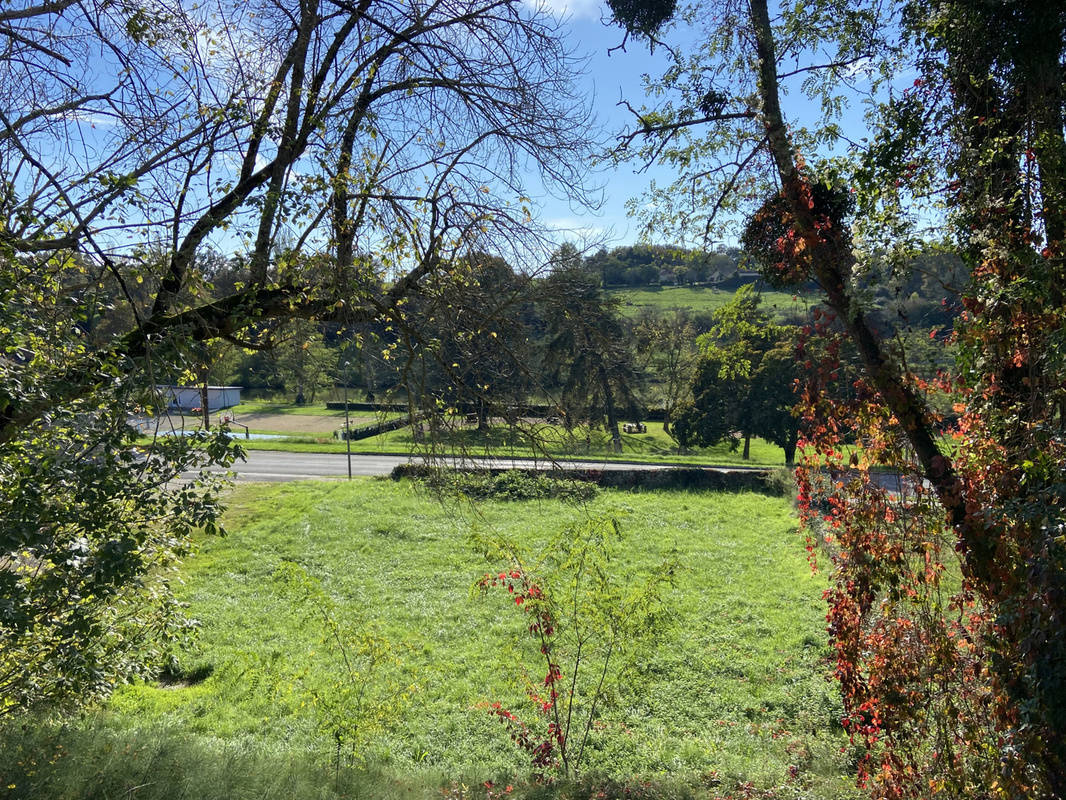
(743, 382)
(712, 413)
(587, 346)
(669, 342)
(773, 397)
(303, 361)
(295, 135)
(474, 328)
(964, 698)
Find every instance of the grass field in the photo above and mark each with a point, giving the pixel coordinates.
(527, 441)
(734, 692)
(704, 300)
(277, 407)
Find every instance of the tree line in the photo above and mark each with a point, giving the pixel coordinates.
(484, 336)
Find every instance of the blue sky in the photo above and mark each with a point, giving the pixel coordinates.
(610, 77)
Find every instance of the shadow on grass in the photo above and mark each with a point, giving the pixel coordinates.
(91, 759)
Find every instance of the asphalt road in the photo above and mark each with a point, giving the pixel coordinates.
(270, 465)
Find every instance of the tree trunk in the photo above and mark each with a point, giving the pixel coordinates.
(831, 257)
(1025, 595)
(205, 395)
(608, 407)
(747, 446)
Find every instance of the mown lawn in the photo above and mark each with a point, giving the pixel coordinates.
(733, 692)
(535, 441)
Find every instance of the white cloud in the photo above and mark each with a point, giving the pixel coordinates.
(569, 9)
(93, 119)
(576, 229)
(860, 68)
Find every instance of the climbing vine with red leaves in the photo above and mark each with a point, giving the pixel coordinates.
(948, 591)
(946, 630)
(908, 630)
(948, 582)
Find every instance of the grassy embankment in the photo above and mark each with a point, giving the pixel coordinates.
(734, 692)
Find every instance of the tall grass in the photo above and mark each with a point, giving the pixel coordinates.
(101, 758)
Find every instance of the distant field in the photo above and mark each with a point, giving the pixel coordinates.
(705, 300)
(310, 429)
(268, 408)
(734, 692)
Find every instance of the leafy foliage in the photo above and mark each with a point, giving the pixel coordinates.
(585, 617)
(642, 16)
(768, 236)
(363, 697)
(510, 485)
(743, 383)
(303, 134)
(91, 527)
(588, 348)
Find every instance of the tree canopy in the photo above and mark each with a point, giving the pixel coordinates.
(342, 152)
(743, 384)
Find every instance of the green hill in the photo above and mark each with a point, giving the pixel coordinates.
(705, 299)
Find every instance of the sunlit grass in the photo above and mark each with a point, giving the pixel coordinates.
(705, 300)
(736, 692)
(276, 407)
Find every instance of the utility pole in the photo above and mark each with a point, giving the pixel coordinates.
(347, 428)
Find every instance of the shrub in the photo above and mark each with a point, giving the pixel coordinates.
(510, 485)
(589, 621)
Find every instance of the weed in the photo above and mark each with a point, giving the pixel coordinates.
(587, 617)
(358, 699)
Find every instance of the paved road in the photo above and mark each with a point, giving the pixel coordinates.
(270, 465)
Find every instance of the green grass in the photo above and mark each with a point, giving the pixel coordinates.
(654, 445)
(734, 692)
(705, 300)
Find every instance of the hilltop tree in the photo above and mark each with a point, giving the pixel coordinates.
(295, 134)
(962, 698)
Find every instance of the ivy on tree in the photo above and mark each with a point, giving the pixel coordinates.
(953, 691)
